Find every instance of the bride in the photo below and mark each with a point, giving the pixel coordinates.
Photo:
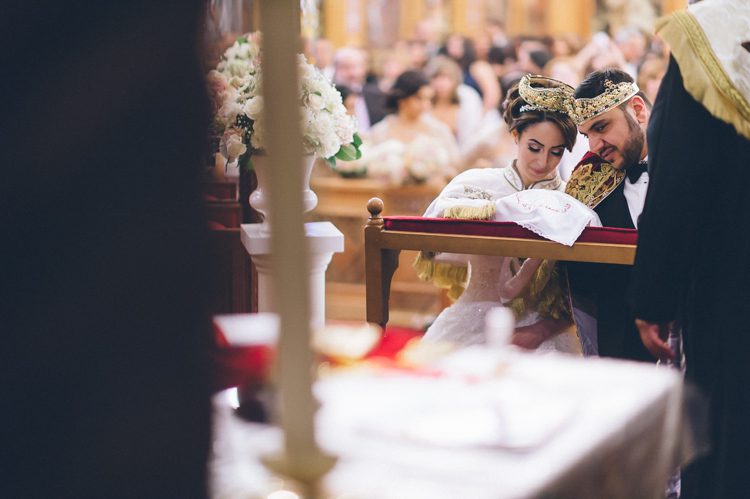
(535, 112)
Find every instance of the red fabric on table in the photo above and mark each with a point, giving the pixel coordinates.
(394, 340)
(235, 366)
(489, 228)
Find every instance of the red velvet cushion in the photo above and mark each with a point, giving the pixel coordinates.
(611, 235)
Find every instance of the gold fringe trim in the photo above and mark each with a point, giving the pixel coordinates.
(486, 212)
(544, 294)
(448, 275)
(443, 275)
(702, 73)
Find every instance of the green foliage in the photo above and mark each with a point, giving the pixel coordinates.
(347, 152)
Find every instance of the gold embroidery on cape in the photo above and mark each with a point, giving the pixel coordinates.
(703, 74)
(702, 48)
(591, 183)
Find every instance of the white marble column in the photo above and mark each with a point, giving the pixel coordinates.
(323, 240)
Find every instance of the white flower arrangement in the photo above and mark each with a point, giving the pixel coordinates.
(400, 163)
(237, 88)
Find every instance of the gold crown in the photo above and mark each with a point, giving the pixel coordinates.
(586, 108)
(558, 98)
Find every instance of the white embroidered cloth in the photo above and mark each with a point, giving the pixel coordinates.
(551, 214)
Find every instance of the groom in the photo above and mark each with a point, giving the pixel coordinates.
(613, 114)
(612, 179)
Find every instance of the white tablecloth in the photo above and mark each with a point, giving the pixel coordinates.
(490, 425)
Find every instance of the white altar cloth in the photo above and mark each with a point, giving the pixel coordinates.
(488, 425)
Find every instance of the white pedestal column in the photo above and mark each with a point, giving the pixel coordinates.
(323, 240)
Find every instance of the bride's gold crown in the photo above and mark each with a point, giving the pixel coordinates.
(614, 94)
(558, 98)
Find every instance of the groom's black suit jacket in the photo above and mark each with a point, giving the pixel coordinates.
(605, 288)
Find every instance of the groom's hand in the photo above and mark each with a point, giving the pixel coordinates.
(530, 337)
(654, 337)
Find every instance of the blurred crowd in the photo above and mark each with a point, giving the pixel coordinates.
(445, 92)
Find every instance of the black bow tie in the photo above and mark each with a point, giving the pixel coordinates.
(635, 171)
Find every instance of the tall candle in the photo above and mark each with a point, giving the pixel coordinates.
(291, 289)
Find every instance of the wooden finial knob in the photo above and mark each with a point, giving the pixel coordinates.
(375, 207)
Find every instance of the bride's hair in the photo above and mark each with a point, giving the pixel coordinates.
(519, 120)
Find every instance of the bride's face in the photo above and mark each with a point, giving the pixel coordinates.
(540, 147)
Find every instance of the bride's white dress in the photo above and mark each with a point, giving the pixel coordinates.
(463, 323)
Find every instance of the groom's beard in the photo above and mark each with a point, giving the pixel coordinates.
(631, 151)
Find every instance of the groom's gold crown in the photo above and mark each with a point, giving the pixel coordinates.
(558, 98)
(586, 108)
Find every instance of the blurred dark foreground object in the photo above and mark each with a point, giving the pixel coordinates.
(103, 278)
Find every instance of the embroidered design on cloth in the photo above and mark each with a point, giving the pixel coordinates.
(593, 180)
(551, 214)
(474, 192)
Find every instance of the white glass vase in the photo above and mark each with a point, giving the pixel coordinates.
(259, 199)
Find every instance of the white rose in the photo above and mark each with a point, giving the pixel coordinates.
(253, 107)
(306, 118)
(315, 102)
(228, 111)
(232, 144)
(237, 82)
(318, 85)
(244, 51)
(232, 52)
(333, 100)
(329, 145)
(306, 70)
(322, 125)
(345, 128)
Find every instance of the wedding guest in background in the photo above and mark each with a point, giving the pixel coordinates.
(104, 281)
(502, 60)
(650, 75)
(409, 145)
(493, 145)
(632, 43)
(351, 70)
(455, 104)
(323, 51)
(393, 63)
(477, 73)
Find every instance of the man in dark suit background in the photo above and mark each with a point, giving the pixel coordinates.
(103, 280)
(351, 71)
